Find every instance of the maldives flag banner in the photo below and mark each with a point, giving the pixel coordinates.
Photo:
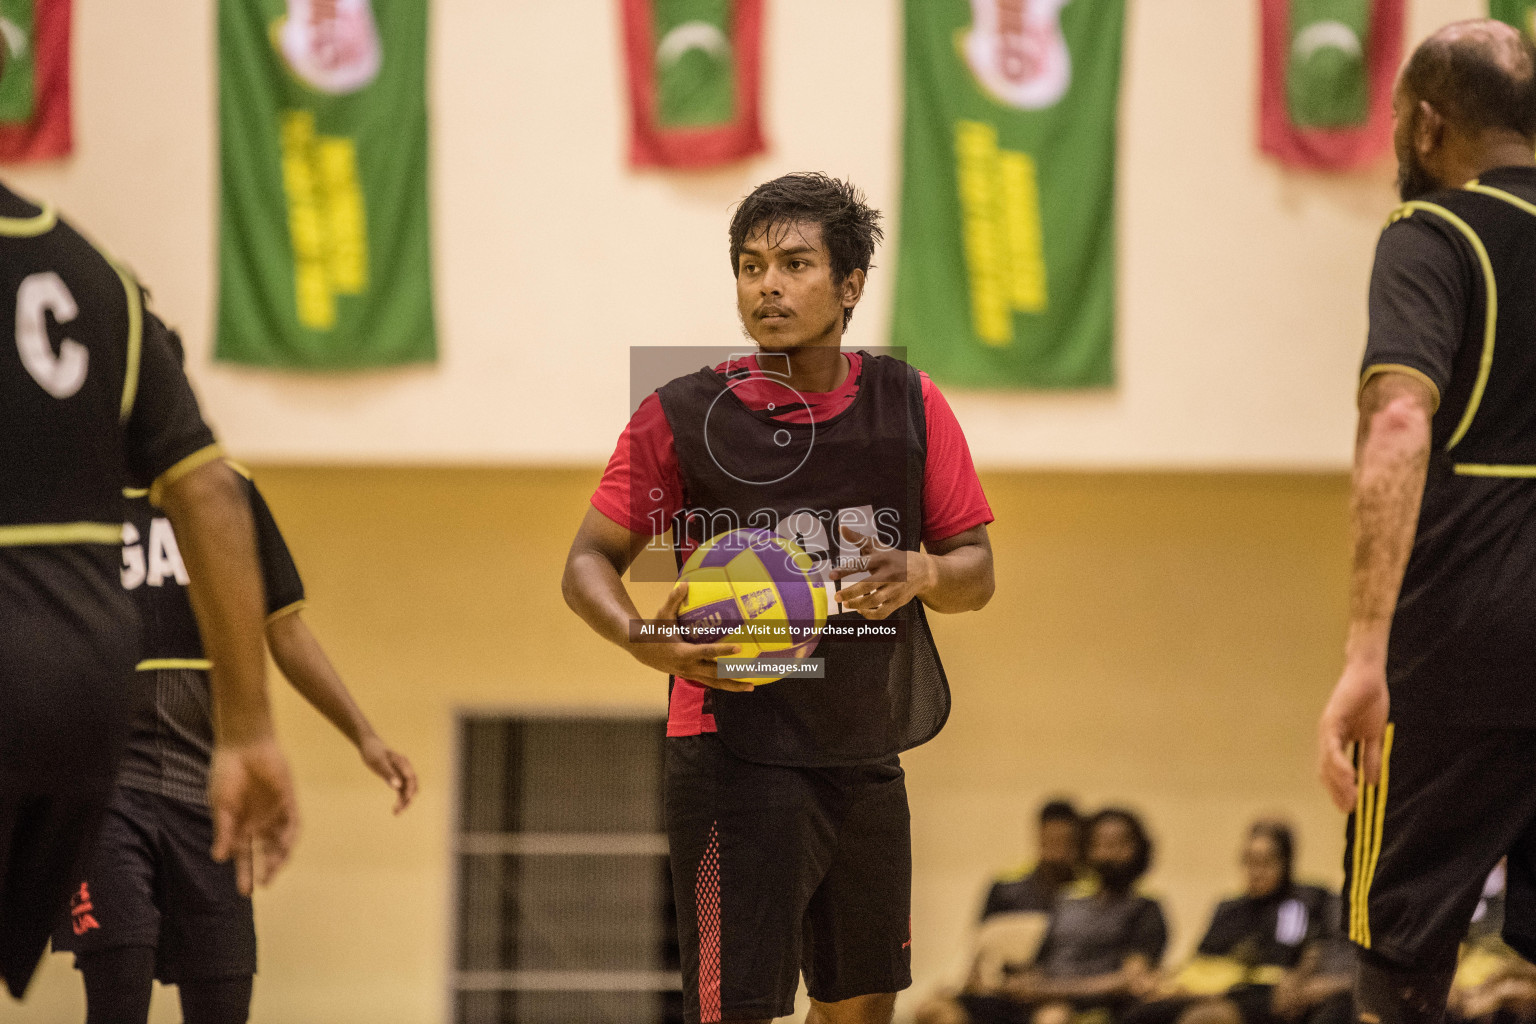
(1519, 13)
(694, 81)
(1006, 260)
(34, 91)
(1327, 71)
(324, 241)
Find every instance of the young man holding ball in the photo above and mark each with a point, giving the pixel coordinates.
(786, 804)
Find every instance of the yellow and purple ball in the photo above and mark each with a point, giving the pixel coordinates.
(758, 590)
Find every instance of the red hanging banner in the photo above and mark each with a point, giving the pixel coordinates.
(694, 81)
(1326, 78)
(34, 112)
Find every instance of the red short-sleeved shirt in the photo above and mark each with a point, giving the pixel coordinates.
(642, 488)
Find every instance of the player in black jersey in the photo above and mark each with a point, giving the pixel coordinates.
(1437, 695)
(91, 396)
(151, 904)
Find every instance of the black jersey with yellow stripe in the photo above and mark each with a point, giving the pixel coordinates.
(155, 575)
(68, 383)
(171, 738)
(1486, 422)
(91, 394)
(1461, 642)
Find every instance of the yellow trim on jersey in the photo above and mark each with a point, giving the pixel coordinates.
(1480, 469)
(1017, 874)
(237, 467)
(31, 534)
(1082, 888)
(135, 340)
(287, 610)
(1491, 314)
(1488, 190)
(30, 227)
(1376, 369)
(1370, 821)
(1267, 974)
(135, 492)
(197, 460)
(153, 664)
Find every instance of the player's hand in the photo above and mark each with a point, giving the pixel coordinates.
(1023, 986)
(694, 662)
(394, 768)
(1289, 1000)
(1356, 715)
(255, 815)
(895, 577)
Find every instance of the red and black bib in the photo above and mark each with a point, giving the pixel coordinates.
(748, 468)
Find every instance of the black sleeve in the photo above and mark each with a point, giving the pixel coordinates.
(1043, 954)
(1421, 289)
(285, 590)
(1219, 937)
(165, 428)
(1322, 916)
(1148, 933)
(994, 902)
(1338, 953)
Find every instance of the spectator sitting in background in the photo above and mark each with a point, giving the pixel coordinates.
(1101, 950)
(1493, 982)
(1016, 910)
(1270, 955)
(1060, 855)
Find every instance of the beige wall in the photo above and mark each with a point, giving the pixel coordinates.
(1242, 285)
(1163, 640)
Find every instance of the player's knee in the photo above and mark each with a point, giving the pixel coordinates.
(878, 1008)
(1211, 1011)
(941, 1010)
(1387, 993)
(1053, 1013)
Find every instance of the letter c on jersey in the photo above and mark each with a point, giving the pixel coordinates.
(60, 375)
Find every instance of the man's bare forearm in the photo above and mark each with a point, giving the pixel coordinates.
(1391, 459)
(962, 580)
(303, 662)
(1098, 986)
(217, 539)
(594, 590)
(961, 570)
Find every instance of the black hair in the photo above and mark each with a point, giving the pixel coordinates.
(1060, 810)
(1143, 858)
(1465, 79)
(1279, 833)
(850, 227)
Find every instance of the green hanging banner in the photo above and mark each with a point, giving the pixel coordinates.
(17, 84)
(1519, 13)
(324, 247)
(1327, 74)
(35, 122)
(1007, 252)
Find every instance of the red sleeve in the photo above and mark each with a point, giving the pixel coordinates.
(642, 489)
(952, 498)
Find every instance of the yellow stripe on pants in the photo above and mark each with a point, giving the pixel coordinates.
(1370, 822)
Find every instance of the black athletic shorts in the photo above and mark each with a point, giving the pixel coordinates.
(44, 839)
(1450, 802)
(779, 870)
(150, 882)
